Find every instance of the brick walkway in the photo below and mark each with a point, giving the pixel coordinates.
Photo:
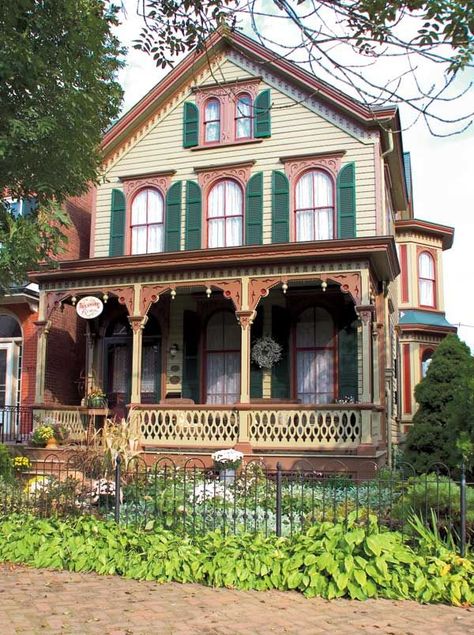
(40, 601)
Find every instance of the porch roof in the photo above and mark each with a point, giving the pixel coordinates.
(379, 251)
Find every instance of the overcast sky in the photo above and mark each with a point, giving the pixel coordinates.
(443, 178)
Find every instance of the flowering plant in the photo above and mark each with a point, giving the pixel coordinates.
(227, 459)
(21, 463)
(266, 352)
(96, 393)
(41, 435)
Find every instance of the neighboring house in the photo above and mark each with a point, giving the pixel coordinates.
(19, 325)
(243, 197)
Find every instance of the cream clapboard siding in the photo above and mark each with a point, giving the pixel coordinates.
(295, 130)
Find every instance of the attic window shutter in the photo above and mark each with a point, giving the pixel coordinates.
(190, 125)
(280, 208)
(173, 218)
(346, 202)
(193, 215)
(262, 119)
(254, 210)
(117, 224)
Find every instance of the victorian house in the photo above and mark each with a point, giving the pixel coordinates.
(243, 199)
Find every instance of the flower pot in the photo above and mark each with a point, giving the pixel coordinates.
(227, 476)
(96, 402)
(51, 443)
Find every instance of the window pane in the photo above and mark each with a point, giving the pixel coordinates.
(243, 129)
(213, 131)
(427, 292)
(234, 231)
(426, 266)
(216, 206)
(304, 192)
(322, 185)
(216, 230)
(9, 327)
(139, 240)
(324, 224)
(233, 202)
(155, 238)
(305, 226)
(139, 208)
(155, 207)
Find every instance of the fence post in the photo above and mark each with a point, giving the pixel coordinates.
(463, 509)
(278, 500)
(117, 488)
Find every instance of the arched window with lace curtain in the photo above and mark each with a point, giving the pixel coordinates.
(243, 117)
(225, 214)
(222, 359)
(314, 206)
(426, 280)
(212, 121)
(315, 355)
(147, 222)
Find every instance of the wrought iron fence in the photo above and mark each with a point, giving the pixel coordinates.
(192, 499)
(16, 423)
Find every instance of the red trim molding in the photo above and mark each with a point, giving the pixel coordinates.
(404, 268)
(407, 389)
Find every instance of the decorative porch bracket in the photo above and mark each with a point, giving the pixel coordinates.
(54, 299)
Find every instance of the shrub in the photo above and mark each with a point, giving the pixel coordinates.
(350, 559)
(5, 463)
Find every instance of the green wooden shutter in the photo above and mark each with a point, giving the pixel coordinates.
(191, 365)
(193, 215)
(254, 210)
(281, 372)
(190, 125)
(347, 362)
(346, 202)
(173, 218)
(280, 208)
(256, 373)
(262, 112)
(117, 224)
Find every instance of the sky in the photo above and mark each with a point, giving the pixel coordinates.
(443, 177)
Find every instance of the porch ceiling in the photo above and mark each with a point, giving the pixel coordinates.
(379, 251)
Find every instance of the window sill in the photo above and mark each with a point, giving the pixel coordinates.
(213, 146)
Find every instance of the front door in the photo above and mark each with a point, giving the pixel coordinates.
(9, 359)
(118, 355)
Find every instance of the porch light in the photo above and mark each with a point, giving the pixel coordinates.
(208, 291)
(73, 300)
(284, 287)
(105, 297)
(173, 294)
(324, 285)
(173, 350)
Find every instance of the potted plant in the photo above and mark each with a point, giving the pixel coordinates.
(96, 398)
(42, 436)
(227, 462)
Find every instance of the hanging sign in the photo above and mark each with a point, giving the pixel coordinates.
(89, 307)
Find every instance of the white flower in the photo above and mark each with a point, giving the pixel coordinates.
(227, 457)
(207, 491)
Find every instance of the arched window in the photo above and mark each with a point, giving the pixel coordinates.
(314, 206)
(147, 223)
(212, 121)
(9, 327)
(225, 215)
(243, 117)
(315, 351)
(426, 279)
(222, 359)
(426, 358)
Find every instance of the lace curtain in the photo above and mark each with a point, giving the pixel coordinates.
(314, 206)
(147, 222)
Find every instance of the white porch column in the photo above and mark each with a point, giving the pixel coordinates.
(43, 327)
(137, 324)
(365, 315)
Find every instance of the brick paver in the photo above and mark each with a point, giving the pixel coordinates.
(41, 601)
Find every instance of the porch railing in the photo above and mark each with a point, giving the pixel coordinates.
(16, 423)
(275, 428)
(188, 427)
(73, 418)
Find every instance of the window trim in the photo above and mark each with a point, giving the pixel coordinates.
(242, 215)
(207, 178)
(147, 225)
(131, 187)
(293, 224)
(432, 254)
(204, 358)
(205, 122)
(294, 351)
(251, 117)
(297, 166)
